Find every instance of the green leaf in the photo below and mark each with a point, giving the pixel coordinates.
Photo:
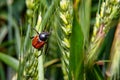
(85, 11)
(10, 61)
(76, 51)
(94, 73)
(2, 73)
(98, 73)
(3, 33)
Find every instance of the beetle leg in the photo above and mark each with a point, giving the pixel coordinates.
(39, 54)
(36, 31)
(31, 37)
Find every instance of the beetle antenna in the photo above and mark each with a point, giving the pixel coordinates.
(35, 30)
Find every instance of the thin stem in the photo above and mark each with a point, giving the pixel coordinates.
(40, 68)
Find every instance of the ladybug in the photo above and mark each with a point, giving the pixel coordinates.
(39, 40)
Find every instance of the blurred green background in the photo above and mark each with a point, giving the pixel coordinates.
(12, 18)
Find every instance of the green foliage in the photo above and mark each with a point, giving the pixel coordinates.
(77, 51)
(83, 43)
(84, 13)
(9, 61)
(2, 73)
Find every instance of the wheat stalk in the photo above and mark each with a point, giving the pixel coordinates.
(34, 68)
(66, 26)
(113, 70)
(107, 18)
(108, 14)
(30, 60)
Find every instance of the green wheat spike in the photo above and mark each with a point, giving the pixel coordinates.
(65, 14)
(107, 18)
(30, 61)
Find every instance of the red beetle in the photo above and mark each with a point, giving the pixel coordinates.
(39, 40)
